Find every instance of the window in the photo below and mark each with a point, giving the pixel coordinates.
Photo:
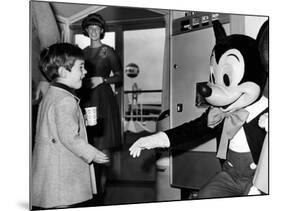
(146, 49)
(82, 41)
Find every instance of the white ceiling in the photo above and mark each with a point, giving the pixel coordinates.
(74, 12)
(67, 10)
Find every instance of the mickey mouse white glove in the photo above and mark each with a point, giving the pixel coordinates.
(263, 121)
(254, 191)
(158, 140)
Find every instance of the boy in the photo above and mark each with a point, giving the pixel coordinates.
(62, 161)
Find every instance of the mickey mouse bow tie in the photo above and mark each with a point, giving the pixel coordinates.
(233, 121)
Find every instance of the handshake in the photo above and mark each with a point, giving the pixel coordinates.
(158, 140)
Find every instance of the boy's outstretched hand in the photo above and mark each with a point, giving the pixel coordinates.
(100, 157)
(149, 142)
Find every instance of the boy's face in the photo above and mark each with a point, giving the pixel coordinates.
(76, 74)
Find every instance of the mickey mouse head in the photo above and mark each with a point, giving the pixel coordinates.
(237, 76)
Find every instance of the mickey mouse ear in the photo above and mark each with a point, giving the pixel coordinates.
(219, 31)
(263, 47)
(263, 43)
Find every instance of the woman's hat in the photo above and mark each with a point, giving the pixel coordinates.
(93, 19)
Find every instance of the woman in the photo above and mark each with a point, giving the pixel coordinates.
(100, 61)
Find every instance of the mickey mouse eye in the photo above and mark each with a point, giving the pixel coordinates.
(213, 78)
(231, 68)
(226, 80)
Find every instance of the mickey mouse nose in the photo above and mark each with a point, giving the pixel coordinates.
(204, 90)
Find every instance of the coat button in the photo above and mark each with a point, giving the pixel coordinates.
(253, 166)
(54, 141)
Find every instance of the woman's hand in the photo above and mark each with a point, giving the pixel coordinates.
(41, 90)
(96, 81)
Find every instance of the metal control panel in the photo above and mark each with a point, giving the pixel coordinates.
(196, 21)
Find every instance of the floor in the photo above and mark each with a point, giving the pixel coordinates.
(135, 179)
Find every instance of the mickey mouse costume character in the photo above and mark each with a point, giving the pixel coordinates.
(234, 92)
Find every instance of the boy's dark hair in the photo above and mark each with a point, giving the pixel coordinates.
(58, 55)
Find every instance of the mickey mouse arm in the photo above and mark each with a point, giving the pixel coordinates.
(260, 181)
(193, 133)
(261, 176)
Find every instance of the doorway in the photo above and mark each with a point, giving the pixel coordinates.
(144, 50)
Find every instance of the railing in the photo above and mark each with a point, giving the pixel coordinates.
(143, 91)
(140, 111)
